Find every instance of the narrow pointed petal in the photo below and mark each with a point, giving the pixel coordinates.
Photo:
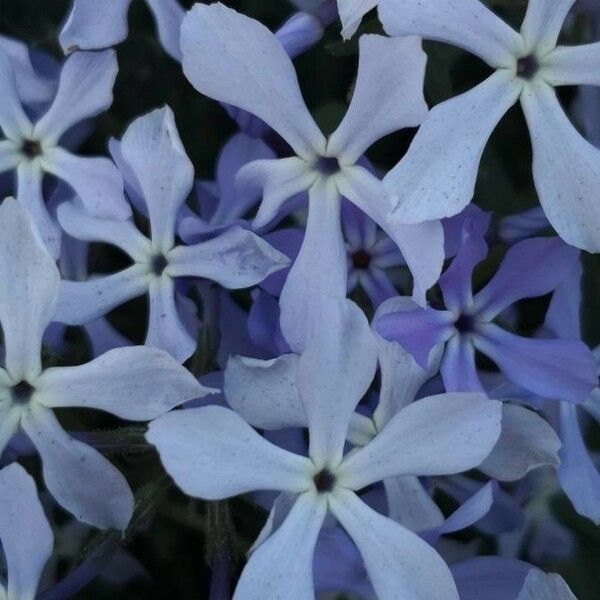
(14, 122)
(235, 59)
(95, 180)
(388, 95)
(542, 24)
(533, 267)
(526, 442)
(135, 383)
(84, 301)
(28, 303)
(122, 233)
(104, 500)
(566, 169)
(168, 15)
(351, 14)
(437, 176)
(334, 372)
(573, 65)
(421, 244)
(24, 531)
(562, 317)
(458, 369)
(229, 457)
(84, 91)
(577, 474)
(438, 435)
(30, 195)
(468, 24)
(9, 155)
(165, 327)
(399, 563)
(279, 180)
(264, 392)
(319, 273)
(282, 567)
(236, 259)
(559, 369)
(542, 586)
(94, 24)
(153, 150)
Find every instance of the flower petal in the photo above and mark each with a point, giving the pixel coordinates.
(24, 531)
(92, 24)
(235, 59)
(436, 178)
(468, 24)
(84, 301)
(566, 169)
(9, 155)
(229, 457)
(136, 383)
(14, 122)
(542, 24)
(152, 148)
(84, 91)
(81, 480)
(235, 259)
(388, 95)
(28, 303)
(399, 563)
(165, 327)
(264, 392)
(573, 65)
(168, 15)
(458, 369)
(438, 435)
(542, 586)
(282, 567)
(351, 14)
(559, 369)
(334, 372)
(10, 420)
(95, 180)
(526, 442)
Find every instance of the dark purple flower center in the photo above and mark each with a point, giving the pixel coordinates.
(21, 392)
(158, 264)
(31, 149)
(328, 165)
(527, 67)
(361, 259)
(465, 324)
(324, 481)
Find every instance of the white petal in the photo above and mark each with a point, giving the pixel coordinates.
(319, 273)
(542, 24)
(94, 24)
(122, 233)
(236, 259)
(13, 120)
(235, 59)
(526, 442)
(30, 195)
(388, 95)
(542, 586)
(468, 24)
(166, 330)
(10, 156)
(351, 14)
(28, 298)
(10, 420)
(438, 435)
(95, 180)
(437, 176)
(83, 301)
(282, 567)
(168, 15)
(228, 456)
(572, 65)
(401, 566)
(25, 533)
(334, 372)
(566, 169)
(136, 383)
(421, 244)
(81, 480)
(264, 392)
(84, 91)
(153, 150)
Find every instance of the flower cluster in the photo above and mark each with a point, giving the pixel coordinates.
(338, 342)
